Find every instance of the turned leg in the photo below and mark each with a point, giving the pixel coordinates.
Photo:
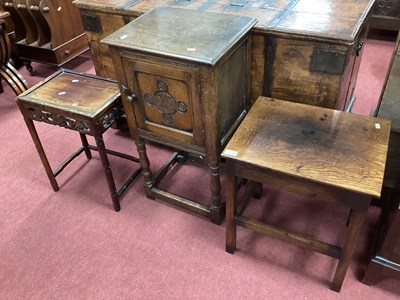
(216, 209)
(145, 165)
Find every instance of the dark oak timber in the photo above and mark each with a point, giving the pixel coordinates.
(184, 80)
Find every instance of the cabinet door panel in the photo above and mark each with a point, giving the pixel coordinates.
(167, 99)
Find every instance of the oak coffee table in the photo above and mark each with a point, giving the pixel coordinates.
(330, 155)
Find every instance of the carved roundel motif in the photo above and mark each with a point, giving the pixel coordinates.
(182, 107)
(162, 86)
(149, 98)
(167, 119)
(165, 102)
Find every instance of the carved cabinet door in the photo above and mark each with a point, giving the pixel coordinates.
(166, 99)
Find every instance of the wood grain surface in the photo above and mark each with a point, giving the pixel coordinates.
(74, 93)
(340, 149)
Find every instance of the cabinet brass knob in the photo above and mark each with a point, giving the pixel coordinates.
(131, 98)
(359, 48)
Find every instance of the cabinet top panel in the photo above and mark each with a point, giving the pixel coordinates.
(337, 20)
(109, 6)
(180, 33)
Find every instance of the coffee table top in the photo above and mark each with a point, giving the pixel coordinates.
(73, 92)
(331, 147)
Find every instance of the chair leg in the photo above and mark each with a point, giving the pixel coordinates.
(85, 145)
(107, 171)
(42, 155)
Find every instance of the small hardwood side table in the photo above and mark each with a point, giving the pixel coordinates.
(329, 155)
(81, 102)
(184, 80)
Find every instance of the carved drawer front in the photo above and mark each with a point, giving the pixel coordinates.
(166, 99)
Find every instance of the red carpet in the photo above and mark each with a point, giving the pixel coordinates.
(72, 245)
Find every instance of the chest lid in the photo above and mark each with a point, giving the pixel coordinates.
(108, 6)
(185, 34)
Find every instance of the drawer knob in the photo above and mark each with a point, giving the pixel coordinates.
(21, 6)
(67, 52)
(34, 8)
(46, 9)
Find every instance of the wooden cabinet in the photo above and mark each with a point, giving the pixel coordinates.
(47, 31)
(303, 51)
(386, 15)
(184, 80)
(166, 99)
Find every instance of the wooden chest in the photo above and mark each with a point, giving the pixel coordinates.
(184, 77)
(305, 51)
